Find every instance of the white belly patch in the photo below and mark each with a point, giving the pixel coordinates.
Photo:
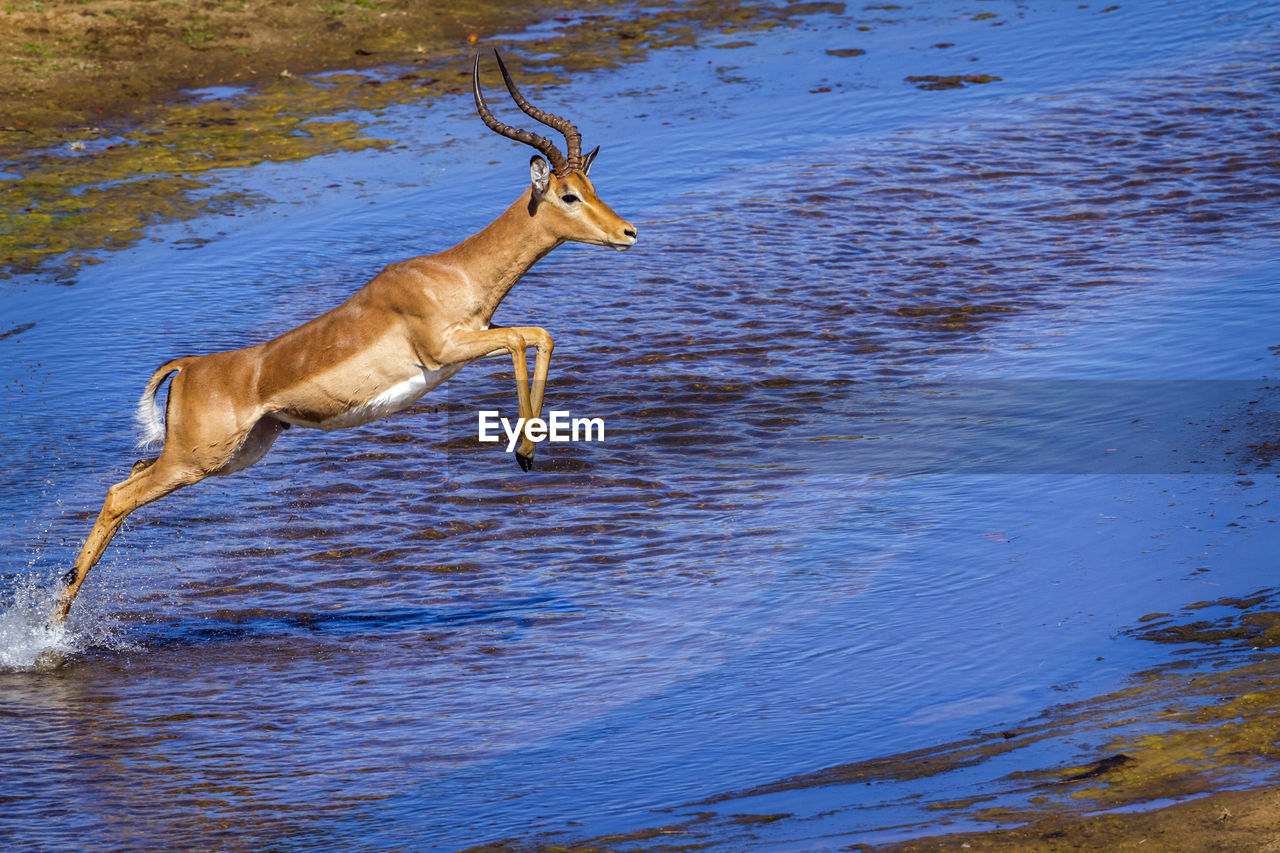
(391, 400)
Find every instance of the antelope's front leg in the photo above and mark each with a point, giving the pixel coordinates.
(540, 340)
(468, 346)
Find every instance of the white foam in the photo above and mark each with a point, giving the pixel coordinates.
(30, 641)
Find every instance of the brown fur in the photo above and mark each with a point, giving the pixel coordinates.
(424, 317)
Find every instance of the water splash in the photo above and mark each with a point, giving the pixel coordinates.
(31, 641)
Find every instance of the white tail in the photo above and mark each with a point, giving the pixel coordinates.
(148, 416)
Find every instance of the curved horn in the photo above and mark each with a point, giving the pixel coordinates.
(558, 163)
(571, 135)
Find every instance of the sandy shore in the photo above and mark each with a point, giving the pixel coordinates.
(1228, 822)
(71, 62)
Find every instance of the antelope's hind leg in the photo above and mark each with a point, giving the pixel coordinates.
(152, 479)
(147, 483)
(212, 426)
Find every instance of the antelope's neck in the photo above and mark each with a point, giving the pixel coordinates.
(495, 258)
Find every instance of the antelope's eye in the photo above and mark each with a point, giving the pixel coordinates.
(569, 198)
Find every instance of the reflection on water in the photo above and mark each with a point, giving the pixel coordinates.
(390, 638)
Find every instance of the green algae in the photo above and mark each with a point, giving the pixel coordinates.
(1254, 625)
(1181, 729)
(67, 201)
(934, 82)
(1183, 736)
(98, 189)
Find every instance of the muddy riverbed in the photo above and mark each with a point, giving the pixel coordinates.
(936, 494)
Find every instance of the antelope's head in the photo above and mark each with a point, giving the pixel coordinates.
(561, 194)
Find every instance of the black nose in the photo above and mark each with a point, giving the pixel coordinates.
(629, 232)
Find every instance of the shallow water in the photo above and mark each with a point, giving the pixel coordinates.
(788, 553)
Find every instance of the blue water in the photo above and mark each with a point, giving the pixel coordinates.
(391, 638)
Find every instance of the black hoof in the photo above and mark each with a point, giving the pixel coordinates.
(526, 462)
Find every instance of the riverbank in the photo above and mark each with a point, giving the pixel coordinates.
(1227, 822)
(74, 62)
(101, 137)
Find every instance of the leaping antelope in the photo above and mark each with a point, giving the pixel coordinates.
(417, 323)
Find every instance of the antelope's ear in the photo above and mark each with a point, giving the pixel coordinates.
(540, 174)
(589, 159)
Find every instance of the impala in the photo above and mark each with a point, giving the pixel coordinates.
(417, 323)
